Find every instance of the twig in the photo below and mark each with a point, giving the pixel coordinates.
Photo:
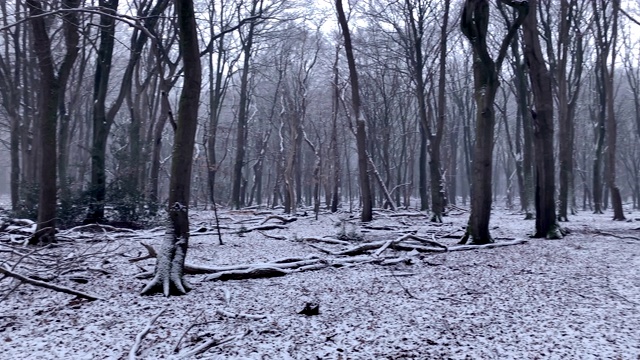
(142, 334)
(208, 345)
(239, 315)
(66, 290)
(193, 324)
(619, 237)
(275, 237)
(406, 291)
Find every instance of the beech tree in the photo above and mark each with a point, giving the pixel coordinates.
(361, 133)
(542, 115)
(606, 37)
(168, 275)
(52, 86)
(474, 23)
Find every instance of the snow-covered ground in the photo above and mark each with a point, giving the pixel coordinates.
(576, 298)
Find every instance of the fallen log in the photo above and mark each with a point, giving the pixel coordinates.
(253, 273)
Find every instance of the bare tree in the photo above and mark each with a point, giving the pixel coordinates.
(606, 37)
(546, 222)
(361, 132)
(566, 65)
(168, 277)
(474, 25)
(52, 86)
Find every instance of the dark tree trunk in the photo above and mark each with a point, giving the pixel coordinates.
(335, 108)
(237, 198)
(101, 126)
(423, 183)
(438, 194)
(546, 222)
(361, 134)
(474, 25)
(608, 49)
(52, 87)
(168, 277)
(524, 145)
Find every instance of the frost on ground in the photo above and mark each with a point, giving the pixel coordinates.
(576, 298)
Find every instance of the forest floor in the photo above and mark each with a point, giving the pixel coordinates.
(575, 298)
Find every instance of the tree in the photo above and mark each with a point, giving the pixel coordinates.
(103, 118)
(566, 65)
(168, 275)
(361, 132)
(474, 25)
(542, 115)
(606, 38)
(52, 86)
(247, 43)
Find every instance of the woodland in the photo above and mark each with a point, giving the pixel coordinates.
(162, 147)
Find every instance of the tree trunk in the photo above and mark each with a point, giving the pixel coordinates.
(612, 133)
(335, 154)
(546, 222)
(237, 199)
(168, 276)
(101, 126)
(524, 146)
(438, 195)
(474, 25)
(361, 135)
(52, 87)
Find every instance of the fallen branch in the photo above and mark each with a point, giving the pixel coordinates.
(327, 240)
(240, 315)
(275, 237)
(261, 227)
(416, 247)
(282, 219)
(253, 273)
(487, 246)
(98, 227)
(4, 270)
(142, 334)
(407, 214)
(208, 345)
(619, 237)
(427, 241)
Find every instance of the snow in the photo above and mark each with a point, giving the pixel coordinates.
(578, 297)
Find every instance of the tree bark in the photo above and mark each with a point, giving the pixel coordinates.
(101, 125)
(474, 25)
(361, 135)
(52, 86)
(237, 199)
(546, 222)
(168, 275)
